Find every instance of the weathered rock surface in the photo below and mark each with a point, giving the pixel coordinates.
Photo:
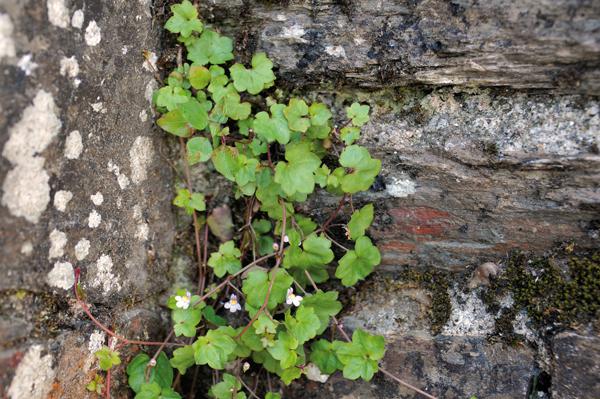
(576, 366)
(532, 44)
(83, 185)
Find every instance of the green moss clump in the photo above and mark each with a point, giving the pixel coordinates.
(553, 296)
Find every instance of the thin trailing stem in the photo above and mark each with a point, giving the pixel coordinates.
(333, 214)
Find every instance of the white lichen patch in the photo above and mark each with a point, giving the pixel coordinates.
(94, 219)
(69, 66)
(27, 248)
(122, 179)
(26, 64)
(7, 44)
(96, 341)
(73, 145)
(140, 156)
(142, 232)
(58, 240)
(151, 86)
(401, 187)
(77, 19)
(61, 200)
(58, 13)
(97, 198)
(98, 107)
(335, 51)
(34, 375)
(142, 229)
(468, 316)
(61, 276)
(293, 33)
(26, 189)
(104, 277)
(82, 249)
(93, 35)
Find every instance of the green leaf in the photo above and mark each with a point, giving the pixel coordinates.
(272, 395)
(304, 325)
(349, 134)
(274, 128)
(226, 260)
(364, 169)
(265, 325)
(162, 373)
(171, 97)
(360, 357)
(358, 113)
(183, 358)
(284, 349)
(186, 320)
(360, 222)
(184, 20)
(261, 226)
(194, 114)
(199, 149)
(214, 348)
(233, 108)
(210, 315)
(149, 391)
(358, 263)
(256, 79)
(225, 161)
(107, 358)
(295, 112)
(189, 202)
(256, 285)
(154, 391)
(210, 48)
(319, 114)
(297, 175)
(227, 389)
(290, 374)
(175, 123)
(324, 356)
(325, 305)
(199, 77)
(316, 250)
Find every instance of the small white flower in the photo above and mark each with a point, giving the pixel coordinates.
(293, 299)
(152, 362)
(183, 302)
(275, 246)
(313, 373)
(245, 366)
(233, 305)
(286, 238)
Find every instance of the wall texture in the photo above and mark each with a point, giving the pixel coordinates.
(484, 116)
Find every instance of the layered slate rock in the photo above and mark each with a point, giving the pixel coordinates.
(376, 43)
(83, 186)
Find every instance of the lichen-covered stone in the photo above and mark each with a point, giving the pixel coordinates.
(71, 100)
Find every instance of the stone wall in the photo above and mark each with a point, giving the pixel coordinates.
(485, 119)
(84, 186)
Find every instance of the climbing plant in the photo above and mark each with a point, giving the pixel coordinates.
(276, 153)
